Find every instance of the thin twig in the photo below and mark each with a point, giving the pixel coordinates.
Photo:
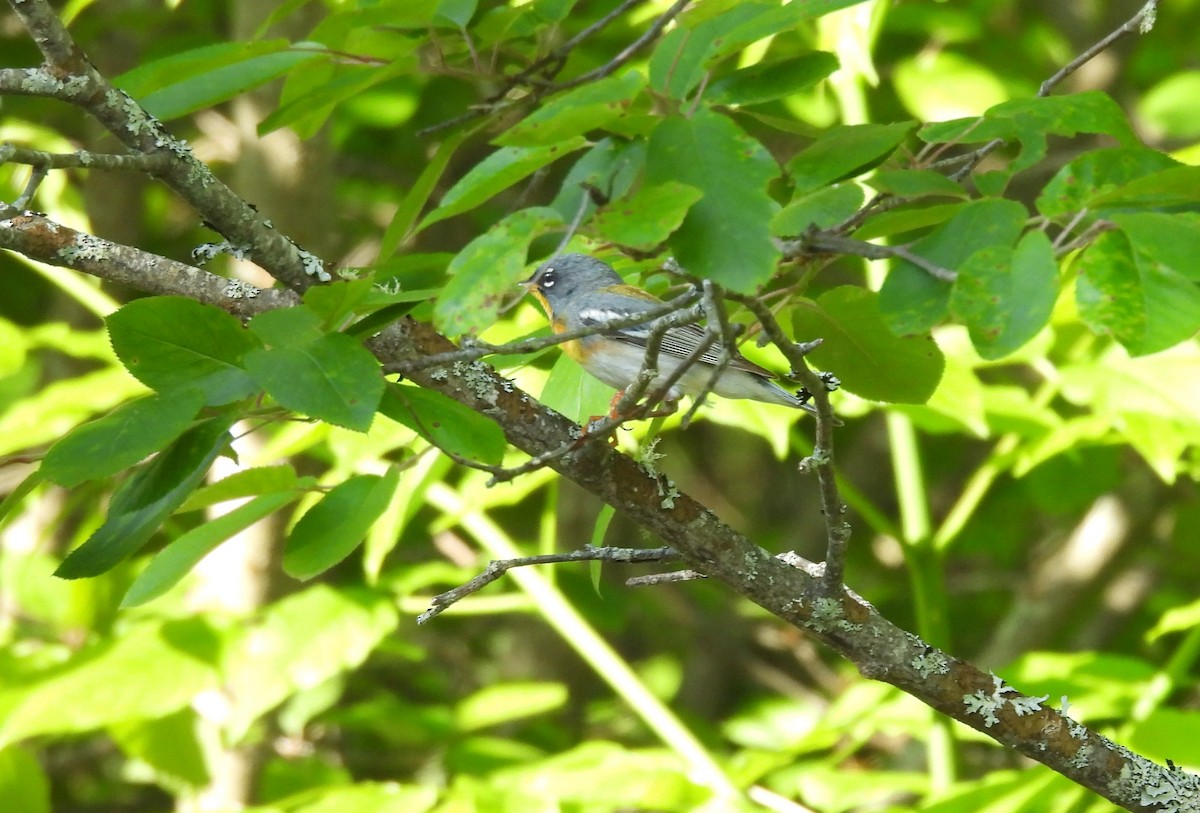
(558, 56)
(818, 241)
(1142, 22)
(498, 567)
(792, 558)
(628, 53)
(84, 159)
(500, 99)
(821, 460)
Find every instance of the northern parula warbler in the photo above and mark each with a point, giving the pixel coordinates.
(579, 291)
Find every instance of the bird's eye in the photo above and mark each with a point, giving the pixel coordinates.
(549, 278)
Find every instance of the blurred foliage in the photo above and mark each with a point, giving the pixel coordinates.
(1019, 456)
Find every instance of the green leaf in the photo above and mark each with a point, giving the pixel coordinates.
(646, 218)
(330, 530)
(1174, 186)
(1173, 240)
(844, 152)
(610, 166)
(306, 111)
(149, 496)
(916, 183)
(458, 12)
(906, 219)
(912, 300)
(1169, 734)
(574, 393)
(725, 236)
(116, 681)
(576, 112)
(335, 302)
(178, 558)
(444, 422)
(1005, 296)
(507, 702)
(298, 643)
(1132, 292)
(248, 483)
(823, 208)
(1177, 619)
(712, 31)
(1096, 174)
(287, 326)
(484, 275)
(172, 342)
(1031, 120)
(24, 786)
(404, 221)
(1169, 108)
(202, 77)
(328, 376)
(17, 496)
(871, 361)
(122, 438)
(170, 745)
(768, 81)
(494, 174)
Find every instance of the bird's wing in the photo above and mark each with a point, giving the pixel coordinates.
(677, 341)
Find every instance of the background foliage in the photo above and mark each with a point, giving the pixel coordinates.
(1019, 455)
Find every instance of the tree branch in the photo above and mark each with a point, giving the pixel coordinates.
(498, 567)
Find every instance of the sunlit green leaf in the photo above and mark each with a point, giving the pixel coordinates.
(444, 422)
(177, 559)
(171, 342)
(1005, 295)
(330, 530)
(767, 81)
(329, 376)
(122, 438)
(575, 112)
(648, 217)
(115, 681)
(1096, 174)
(148, 497)
(844, 152)
(1030, 121)
(484, 275)
(1133, 292)
(494, 174)
(916, 183)
(185, 82)
(506, 702)
(912, 299)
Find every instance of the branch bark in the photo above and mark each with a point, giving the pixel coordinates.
(797, 591)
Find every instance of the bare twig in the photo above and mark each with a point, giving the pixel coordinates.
(821, 460)
(818, 241)
(789, 557)
(500, 99)
(498, 567)
(1142, 22)
(628, 53)
(555, 60)
(84, 159)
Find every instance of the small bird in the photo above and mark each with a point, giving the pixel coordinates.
(579, 291)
